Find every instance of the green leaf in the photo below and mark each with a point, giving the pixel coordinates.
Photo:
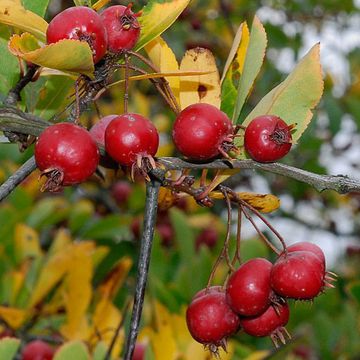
(296, 96)
(156, 17)
(9, 69)
(37, 6)
(253, 61)
(100, 351)
(75, 350)
(354, 290)
(9, 348)
(31, 93)
(53, 96)
(68, 55)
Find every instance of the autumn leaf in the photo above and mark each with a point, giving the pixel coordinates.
(67, 55)
(27, 242)
(14, 14)
(8, 348)
(200, 88)
(74, 350)
(13, 316)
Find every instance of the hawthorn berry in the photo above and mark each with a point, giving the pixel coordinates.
(298, 275)
(210, 320)
(269, 323)
(267, 138)
(307, 246)
(97, 131)
(79, 23)
(37, 350)
(202, 132)
(122, 26)
(208, 237)
(130, 138)
(121, 192)
(248, 290)
(66, 154)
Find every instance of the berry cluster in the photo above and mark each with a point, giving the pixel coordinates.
(255, 296)
(116, 29)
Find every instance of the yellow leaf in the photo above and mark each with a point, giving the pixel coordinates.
(62, 238)
(201, 88)
(99, 4)
(259, 355)
(265, 203)
(166, 199)
(78, 291)
(99, 254)
(156, 17)
(114, 280)
(67, 55)
(106, 319)
(26, 242)
(14, 14)
(12, 316)
(164, 58)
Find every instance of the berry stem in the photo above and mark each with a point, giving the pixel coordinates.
(126, 90)
(237, 256)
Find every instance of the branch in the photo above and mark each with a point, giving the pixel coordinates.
(339, 183)
(152, 191)
(15, 179)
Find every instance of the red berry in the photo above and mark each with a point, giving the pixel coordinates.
(139, 351)
(66, 154)
(307, 246)
(97, 131)
(121, 192)
(248, 289)
(267, 138)
(79, 23)
(210, 289)
(122, 27)
(129, 137)
(208, 237)
(210, 320)
(37, 350)
(201, 132)
(269, 323)
(166, 233)
(298, 275)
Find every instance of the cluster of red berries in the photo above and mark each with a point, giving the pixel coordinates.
(255, 297)
(116, 29)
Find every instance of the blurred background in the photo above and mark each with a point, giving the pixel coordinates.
(189, 238)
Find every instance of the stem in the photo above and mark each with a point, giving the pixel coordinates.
(15, 179)
(228, 231)
(152, 192)
(237, 255)
(126, 92)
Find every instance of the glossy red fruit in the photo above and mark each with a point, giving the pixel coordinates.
(97, 131)
(298, 275)
(267, 138)
(208, 237)
(129, 137)
(269, 323)
(307, 246)
(66, 154)
(122, 26)
(37, 350)
(202, 132)
(79, 23)
(210, 320)
(248, 289)
(210, 289)
(121, 192)
(139, 351)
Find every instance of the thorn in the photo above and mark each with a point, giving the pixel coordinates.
(332, 273)
(329, 285)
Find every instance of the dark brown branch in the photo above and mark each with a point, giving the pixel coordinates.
(339, 183)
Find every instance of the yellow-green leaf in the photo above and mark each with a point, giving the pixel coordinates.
(99, 4)
(233, 69)
(200, 88)
(14, 14)
(156, 17)
(9, 348)
(164, 58)
(13, 316)
(71, 56)
(74, 350)
(294, 98)
(27, 242)
(255, 54)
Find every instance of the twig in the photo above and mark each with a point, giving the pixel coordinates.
(15, 179)
(339, 183)
(152, 192)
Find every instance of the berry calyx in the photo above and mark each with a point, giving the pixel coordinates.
(298, 275)
(210, 320)
(269, 323)
(66, 154)
(79, 23)
(202, 132)
(248, 289)
(122, 26)
(267, 138)
(37, 350)
(132, 140)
